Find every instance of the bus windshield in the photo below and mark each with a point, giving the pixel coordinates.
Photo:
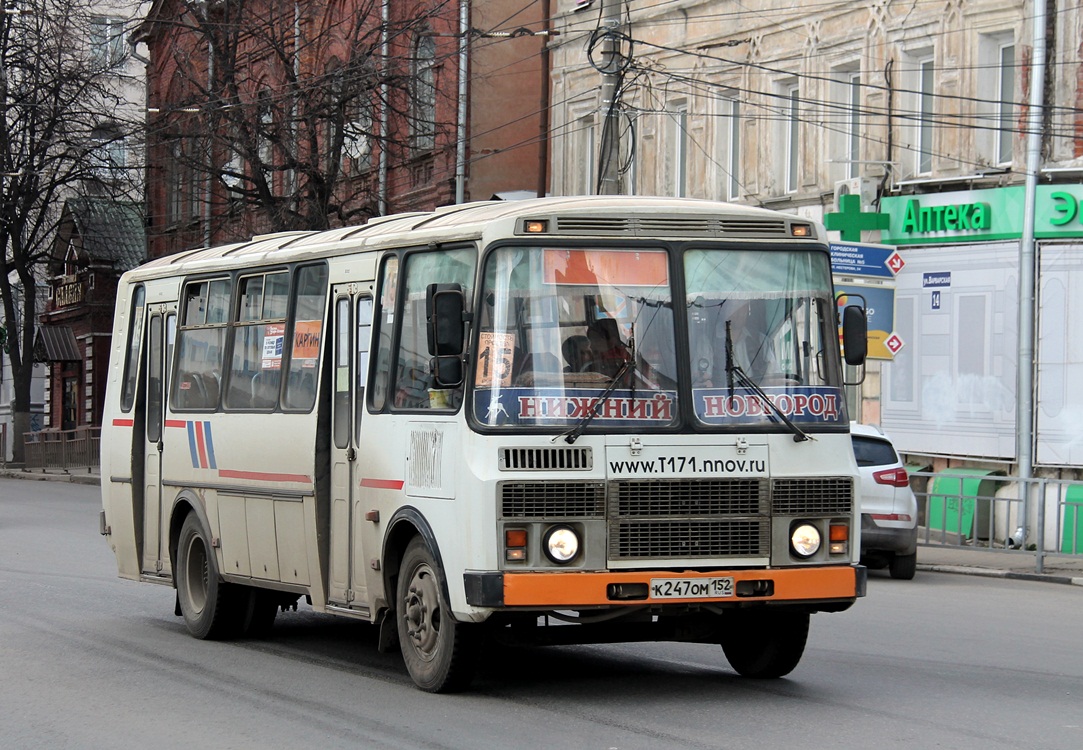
(761, 330)
(561, 327)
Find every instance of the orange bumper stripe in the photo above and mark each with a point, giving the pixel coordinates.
(572, 589)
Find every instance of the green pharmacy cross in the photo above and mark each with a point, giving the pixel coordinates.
(851, 220)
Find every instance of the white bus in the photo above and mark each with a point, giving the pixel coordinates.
(562, 420)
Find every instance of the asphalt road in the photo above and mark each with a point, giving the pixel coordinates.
(90, 661)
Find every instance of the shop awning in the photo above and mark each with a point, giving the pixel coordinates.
(57, 343)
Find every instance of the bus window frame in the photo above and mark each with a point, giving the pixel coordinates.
(403, 256)
(291, 326)
(236, 324)
(133, 353)
(683, 422)
(174, 368)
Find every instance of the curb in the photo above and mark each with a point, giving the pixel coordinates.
(997, 573)
(90, 479)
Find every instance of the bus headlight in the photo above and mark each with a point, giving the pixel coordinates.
(805, 540)
(561, 544)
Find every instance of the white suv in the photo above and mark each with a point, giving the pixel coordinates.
(889, 510)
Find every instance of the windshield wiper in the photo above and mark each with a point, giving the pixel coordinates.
(573, 434)
(735, 373)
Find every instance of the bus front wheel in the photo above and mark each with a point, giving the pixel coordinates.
(437, 649)
(764, 644)
(209, 605)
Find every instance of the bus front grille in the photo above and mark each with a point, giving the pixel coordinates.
(690, 538)
(812, 496)
(689, 497)
(557, 500)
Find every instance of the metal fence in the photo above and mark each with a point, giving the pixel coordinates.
(1039, 516)
(62, 449)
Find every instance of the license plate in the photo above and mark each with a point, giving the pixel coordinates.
(691, 588)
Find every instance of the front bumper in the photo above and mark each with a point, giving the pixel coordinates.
(897, 539)
(546, 590)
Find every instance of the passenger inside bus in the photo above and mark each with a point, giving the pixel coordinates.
(539, 368)
(577, 353)
(609, 352)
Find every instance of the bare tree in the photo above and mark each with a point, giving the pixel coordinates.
(272, 113)
(59, 104)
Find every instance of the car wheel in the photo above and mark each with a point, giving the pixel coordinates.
(212, 608)
(764, 644)
(903, 567)
(438, 651)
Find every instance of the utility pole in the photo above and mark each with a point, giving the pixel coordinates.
(611, 66)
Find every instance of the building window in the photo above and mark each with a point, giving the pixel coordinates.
(583, 165)
(792, 149)
(853, 125)
(925, 124)
(109, 155)
(1005, 103)
(678, 168)
(357, 138)
(107, 45)
(728, 148)
(423, 119)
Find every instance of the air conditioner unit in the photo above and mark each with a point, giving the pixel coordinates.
(863, 187)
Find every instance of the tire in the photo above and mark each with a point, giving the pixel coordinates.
(764, 644)
(903, 567)
(212, 609)
(437, 650)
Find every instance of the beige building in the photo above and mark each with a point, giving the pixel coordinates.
(921, 109)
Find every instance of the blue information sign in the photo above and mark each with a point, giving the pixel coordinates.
(852, 259)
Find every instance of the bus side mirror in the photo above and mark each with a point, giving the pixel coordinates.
(447, 371)
(855, 335)
(444, 308)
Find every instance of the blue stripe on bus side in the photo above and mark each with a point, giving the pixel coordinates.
(210, 444)
(192, 444)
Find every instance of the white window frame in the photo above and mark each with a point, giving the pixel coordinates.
(728, 147)
(925, 112)
(1005, 134)
(107, 43)
(679, 143)
(791, 136)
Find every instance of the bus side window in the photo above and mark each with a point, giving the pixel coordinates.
(388, 292)
(259, 341)
(135, 343)
(310, 291)
(414, 377)
(201, 339)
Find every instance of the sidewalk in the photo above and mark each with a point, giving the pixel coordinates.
(1018, 564)
(938, 558)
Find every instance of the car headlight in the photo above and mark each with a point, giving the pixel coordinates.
(561, 544)
(805, 540)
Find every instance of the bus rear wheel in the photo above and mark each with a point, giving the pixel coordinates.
(764, 644)
(212, 608)
(437, 650)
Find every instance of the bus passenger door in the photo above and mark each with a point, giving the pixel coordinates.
(161, 332)
(350, 350)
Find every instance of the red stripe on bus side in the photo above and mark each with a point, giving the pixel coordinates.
(201, 446)
(124, 423)
(383, 484)
(264, 476)
(176, 423)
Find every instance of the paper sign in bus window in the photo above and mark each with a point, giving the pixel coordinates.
(274, 337)
(496, 356)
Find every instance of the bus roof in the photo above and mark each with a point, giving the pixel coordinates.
(581, 216)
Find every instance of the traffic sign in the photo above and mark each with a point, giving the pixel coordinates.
(853, 259)
(894, 343)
